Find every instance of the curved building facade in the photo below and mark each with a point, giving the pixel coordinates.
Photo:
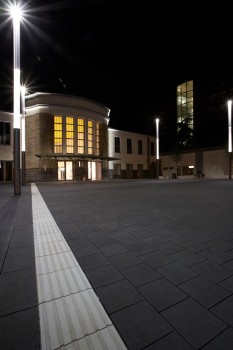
(66, 138)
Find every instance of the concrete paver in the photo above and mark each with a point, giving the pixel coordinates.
(157, 253)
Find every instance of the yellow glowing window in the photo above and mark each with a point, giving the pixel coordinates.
(97, 138)
(69, 135)
(57, 134)
(81, 135)
(90, 136)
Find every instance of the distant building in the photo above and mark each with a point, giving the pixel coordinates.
(135, 153)
(68, 139)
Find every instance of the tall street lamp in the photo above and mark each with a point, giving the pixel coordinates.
(157, 147)
(23, 141)
(16, 16)
(229, 105)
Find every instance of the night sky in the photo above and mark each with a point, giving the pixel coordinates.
(128, 55)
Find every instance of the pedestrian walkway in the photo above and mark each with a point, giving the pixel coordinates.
(153, 258)
(71, 315)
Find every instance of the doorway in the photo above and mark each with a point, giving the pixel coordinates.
(65, 170)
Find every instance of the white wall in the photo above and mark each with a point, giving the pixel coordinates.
(216, 163)
(125, 158)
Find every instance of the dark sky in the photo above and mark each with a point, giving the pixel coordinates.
(128, 55)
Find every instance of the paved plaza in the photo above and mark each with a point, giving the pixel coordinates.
(123, 264)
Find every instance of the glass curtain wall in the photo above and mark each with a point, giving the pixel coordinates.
(185, 103)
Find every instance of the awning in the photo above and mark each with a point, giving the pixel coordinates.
(60, 156)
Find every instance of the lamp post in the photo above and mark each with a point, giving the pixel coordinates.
(23, 143)
(229, 105)
(157, 147)
(16, 16)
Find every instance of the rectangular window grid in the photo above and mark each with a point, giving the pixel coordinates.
(69, 135)
(90, 137)
(81, 135)
(57, 134)
(98, 139)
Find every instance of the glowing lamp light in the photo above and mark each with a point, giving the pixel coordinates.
(229, 105)
(157, 138)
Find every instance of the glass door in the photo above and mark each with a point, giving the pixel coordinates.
(65, 171)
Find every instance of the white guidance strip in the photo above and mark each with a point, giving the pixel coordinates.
(71, 315)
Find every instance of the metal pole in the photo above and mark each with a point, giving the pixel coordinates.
(229, 104)
(157, 148)
(16, 155)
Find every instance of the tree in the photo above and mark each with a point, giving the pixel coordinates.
(185, 133)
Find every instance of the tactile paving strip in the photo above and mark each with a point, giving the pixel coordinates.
(71, 315)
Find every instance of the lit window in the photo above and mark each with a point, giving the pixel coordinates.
(90, 137)
(81, 135)
(98, 138)
(185, 102)
(69, 135)
(57, 134)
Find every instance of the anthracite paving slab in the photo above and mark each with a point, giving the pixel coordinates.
(76, 243)
(196, 246)
(162, 294)
(157, 259)
(20, 330)
(227, 284)
(92, 261)
(84, 250)
(17, 291)
(140, 325)
(140, 274)
(124, 260)
(19, 258)
(154, 240)
(101, 241)
(104, 275)
(224, 310)
(223, 342)
(196, 324)
(228, 265)
(212, 271)
(125, 239)
(113, 249)
(155, 221)
(187, 258)
(216, 255)
(118, 295)
(176, 272)
(3, 250)
(22, 240)
(172, 341)
(141, 248)
(169, 247)
(204, 291)
(73, 234)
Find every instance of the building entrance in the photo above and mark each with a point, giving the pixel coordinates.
(65, 170)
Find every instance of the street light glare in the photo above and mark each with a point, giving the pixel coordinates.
(16, 12)
(23, 90)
